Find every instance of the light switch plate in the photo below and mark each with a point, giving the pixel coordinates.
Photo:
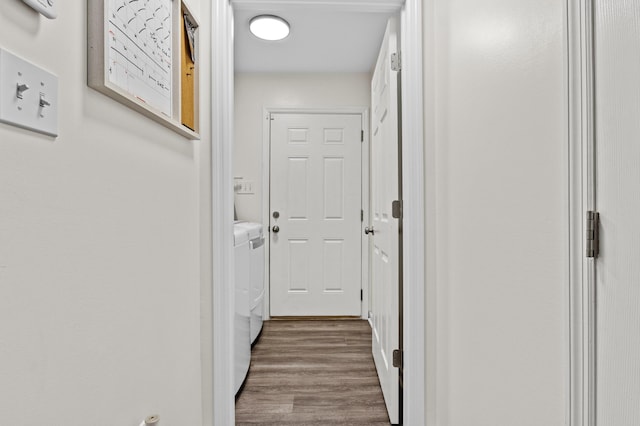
(245, 187)
(46, 7)
(37, 108)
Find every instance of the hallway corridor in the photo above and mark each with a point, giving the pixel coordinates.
(312, 373)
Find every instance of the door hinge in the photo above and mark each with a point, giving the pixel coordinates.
(361, 135)
(593, 234)
(396, 64)
(397, 358)
(396, 209)
(361, 215)
(361, 295)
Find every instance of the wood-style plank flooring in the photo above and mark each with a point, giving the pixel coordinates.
(317, 372)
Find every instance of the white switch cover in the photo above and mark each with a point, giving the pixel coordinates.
(245, 187)
(28, 95)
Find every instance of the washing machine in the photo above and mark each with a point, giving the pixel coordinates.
(242, 317)
(256, 276)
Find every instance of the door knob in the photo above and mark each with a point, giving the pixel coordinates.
(369, 230)
(275, 229)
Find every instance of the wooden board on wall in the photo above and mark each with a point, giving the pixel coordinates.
(187, 69)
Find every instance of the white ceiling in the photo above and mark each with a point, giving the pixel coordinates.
(321, 40)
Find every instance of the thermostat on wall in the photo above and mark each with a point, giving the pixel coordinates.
(46, 7)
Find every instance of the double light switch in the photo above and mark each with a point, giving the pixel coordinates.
(28, 95)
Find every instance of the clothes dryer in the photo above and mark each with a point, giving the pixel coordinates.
(242, 328)
(256, 276)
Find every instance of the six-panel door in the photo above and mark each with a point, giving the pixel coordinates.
(315, 203)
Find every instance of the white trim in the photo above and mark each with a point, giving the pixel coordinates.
(581, 199)
(430, 94)
(413, 220)
(319, 110)
(589, 203)
(575, 206)
(363, 111)
(266, 173)
(222, 212)
(366, 207)
(369, 6)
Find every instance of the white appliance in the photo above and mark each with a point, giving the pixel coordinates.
(256, 278)
(242, 340)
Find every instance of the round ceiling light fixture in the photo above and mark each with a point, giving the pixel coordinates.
(269, 27)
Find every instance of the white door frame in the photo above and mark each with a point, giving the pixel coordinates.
(581, 198)
(220, 406)
(222, 124)
(363, 111)
(414, 256)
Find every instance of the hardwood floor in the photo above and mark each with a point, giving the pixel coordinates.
(312, 373)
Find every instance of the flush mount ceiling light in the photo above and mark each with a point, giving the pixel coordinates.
(269, 27)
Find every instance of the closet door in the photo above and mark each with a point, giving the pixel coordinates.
(385, 229)
(617, 138)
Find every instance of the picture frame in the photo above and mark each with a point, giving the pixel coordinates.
(135, 54)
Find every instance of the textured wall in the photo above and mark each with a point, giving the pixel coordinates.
(99, 247)
(496, 185)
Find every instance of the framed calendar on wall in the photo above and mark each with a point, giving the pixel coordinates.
(135, 55)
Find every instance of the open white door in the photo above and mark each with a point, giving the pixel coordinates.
(385, 189)
(315, 202)
(617, 124)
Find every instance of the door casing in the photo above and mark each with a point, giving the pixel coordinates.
(582, 99)
(217, 303)
(581, 199)
(363, 111)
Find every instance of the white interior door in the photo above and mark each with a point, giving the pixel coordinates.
(385, 271)
(617, 99)
(315, 202)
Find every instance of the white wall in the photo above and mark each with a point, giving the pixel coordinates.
(253, 92)
(497, 224)
(100, 268)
